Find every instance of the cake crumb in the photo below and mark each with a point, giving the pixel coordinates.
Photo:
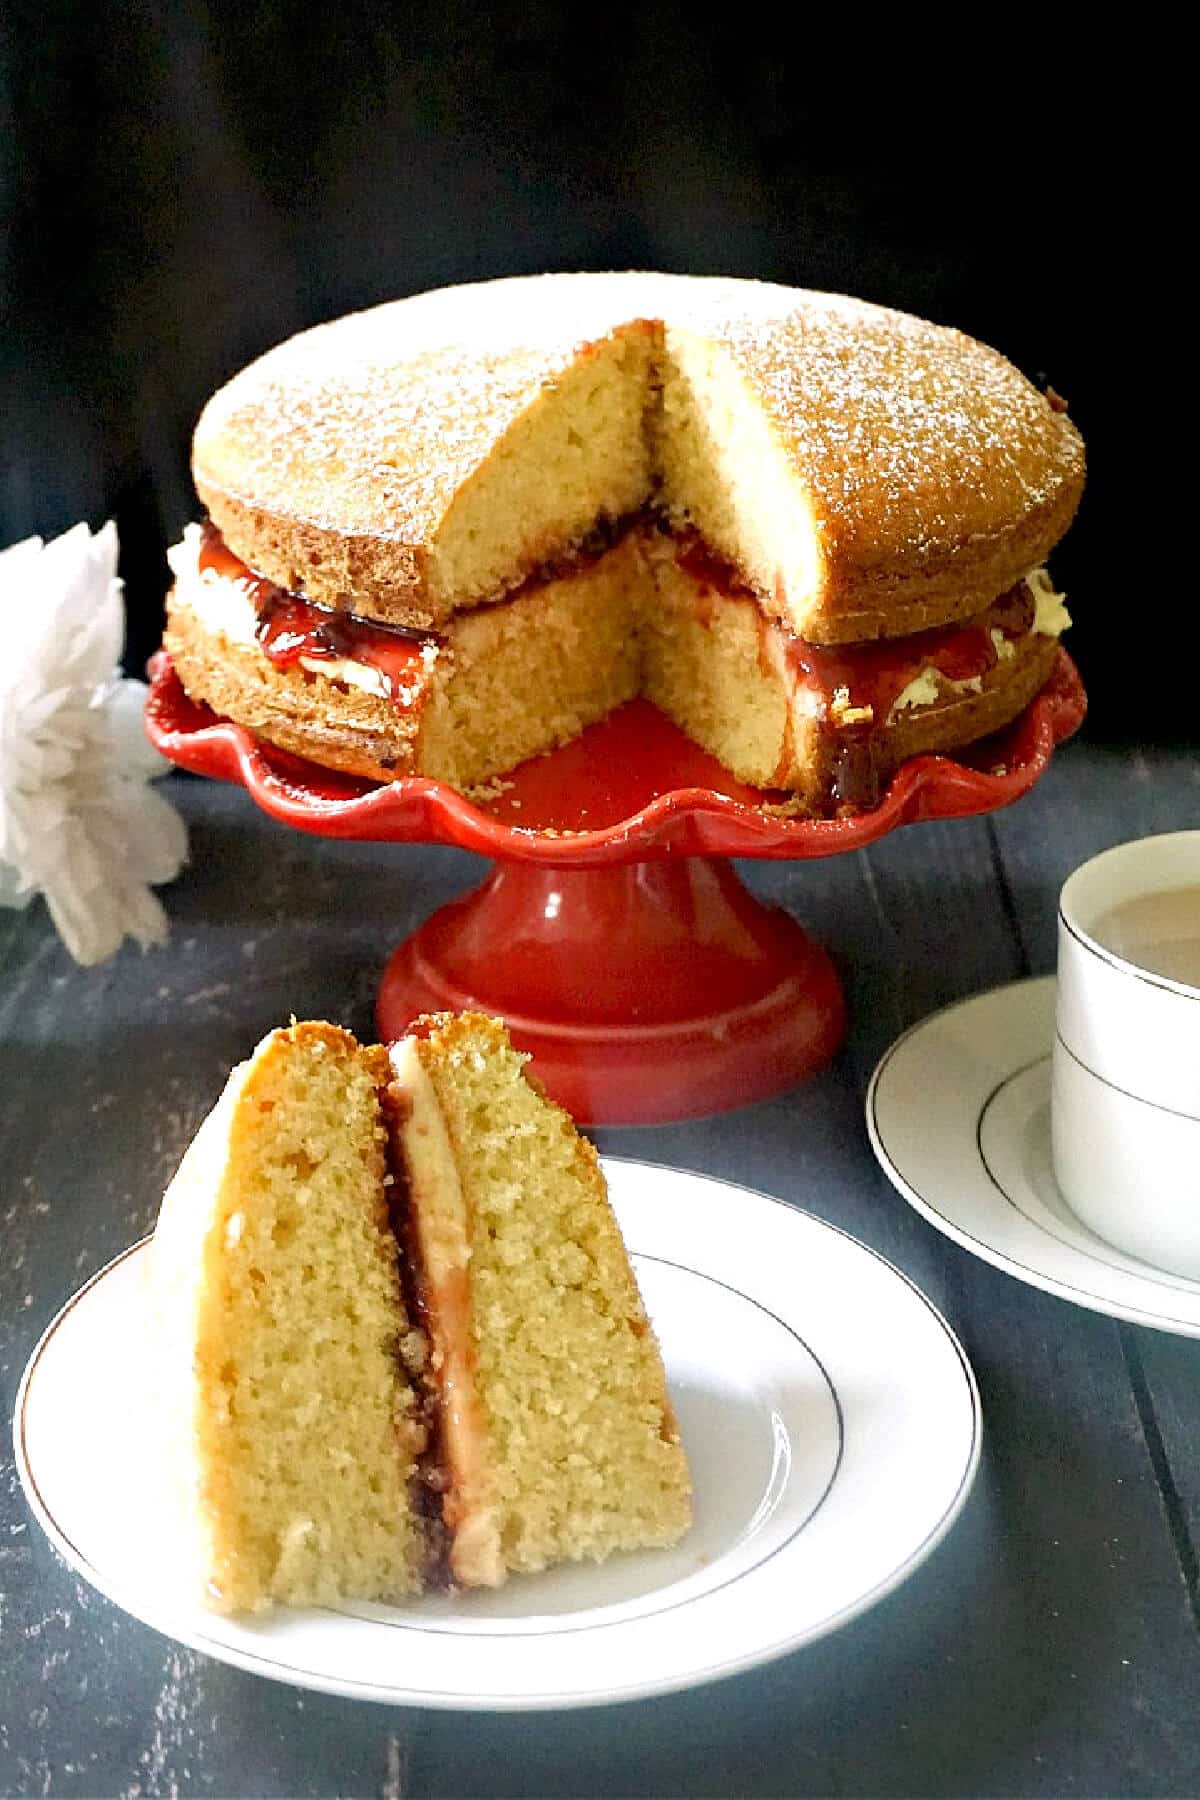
(489, 790)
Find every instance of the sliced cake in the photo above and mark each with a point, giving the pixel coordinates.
(451, 532)
(401, 1341)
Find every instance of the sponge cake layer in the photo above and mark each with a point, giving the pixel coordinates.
(867, 472)
(567, 1426)
(294, 1428)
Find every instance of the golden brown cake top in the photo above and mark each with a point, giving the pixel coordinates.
(332, 463)
(341, 429)
(930, 462)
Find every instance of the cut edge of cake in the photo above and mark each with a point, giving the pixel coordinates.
(560, 1427)
(576, 462)
(726, 472)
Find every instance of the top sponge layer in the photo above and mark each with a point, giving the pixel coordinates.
(869, 473)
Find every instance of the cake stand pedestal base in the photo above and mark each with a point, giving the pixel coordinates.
(645, 991)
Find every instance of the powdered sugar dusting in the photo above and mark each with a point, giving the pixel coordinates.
(912, 439)
(380, 446)
(372, 423)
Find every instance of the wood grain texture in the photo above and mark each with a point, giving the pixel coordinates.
(1049, 1646)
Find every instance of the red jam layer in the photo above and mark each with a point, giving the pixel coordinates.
(290, 628)
(869, 675)
(875, 674)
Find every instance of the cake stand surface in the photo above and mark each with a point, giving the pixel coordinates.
(613, 935)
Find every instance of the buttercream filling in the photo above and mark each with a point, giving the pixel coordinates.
(224, 603)
(859, 685)
(430, 1215)
(388, 660)
(852, 686)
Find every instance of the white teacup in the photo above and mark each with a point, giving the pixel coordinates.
(1125, 1113)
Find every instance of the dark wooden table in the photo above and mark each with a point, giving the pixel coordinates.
(1048, 1647)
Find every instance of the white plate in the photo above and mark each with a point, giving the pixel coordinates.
(959, 1116)
(829, 1414)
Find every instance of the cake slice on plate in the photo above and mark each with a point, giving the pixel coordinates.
(401, 1342)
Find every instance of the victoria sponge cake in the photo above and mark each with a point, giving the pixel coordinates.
(449, 533)
(400, 1342)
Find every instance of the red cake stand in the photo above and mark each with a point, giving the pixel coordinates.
(612, 934)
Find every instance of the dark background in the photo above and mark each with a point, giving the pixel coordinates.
(183, 184)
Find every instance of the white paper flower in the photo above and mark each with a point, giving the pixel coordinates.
(79, 821)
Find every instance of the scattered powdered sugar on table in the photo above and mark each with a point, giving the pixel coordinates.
(169, 1763)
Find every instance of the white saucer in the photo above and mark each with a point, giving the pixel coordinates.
(829, 1414)
(959, 1116)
